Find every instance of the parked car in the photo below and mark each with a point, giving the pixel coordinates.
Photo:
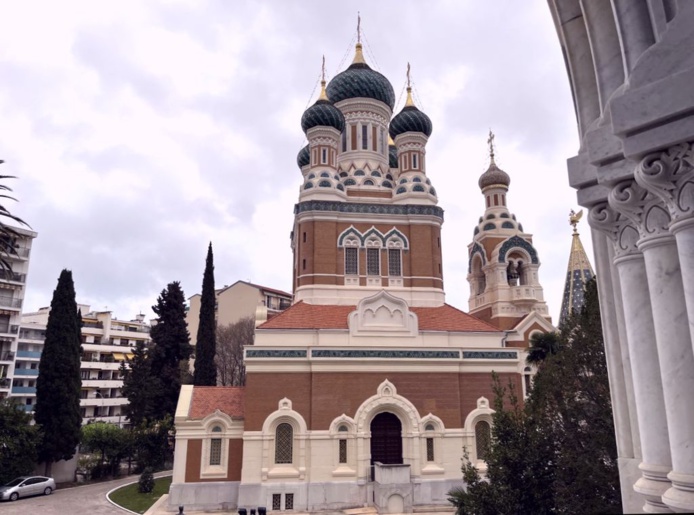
(26, 486)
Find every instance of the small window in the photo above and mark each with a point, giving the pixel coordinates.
(324, 156)
(343, 451)
(344, 142)
(304, 237)
(350, 182)
(303, 264)
(364, 137)
(288, 501)
(216, 451)
(284, 441)
(415, 162)
(416, 179)
(368, 182)
(375, 173)
(359, 173)
(324, 184)
(401, 189)
(430, 449)
(373, 261)
(418, 187)
(394, 262)
(276, 502)
(351, 261)
(483, 435)
(324, 174)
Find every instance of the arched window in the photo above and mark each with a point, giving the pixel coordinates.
(284, 443)
(342, 450)
(483, 437)
(216, 447)
(351, 260)
(394, 262)
(368, 182)
(430, 442)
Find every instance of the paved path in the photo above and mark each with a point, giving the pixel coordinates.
(80, 500)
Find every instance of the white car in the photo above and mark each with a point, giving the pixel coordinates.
(25, 486)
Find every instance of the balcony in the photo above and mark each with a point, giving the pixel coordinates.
(32, 372)
(12, 276)
(4, 383)
(31, 390)
(93, 325)
(7, 356)
(102, 383)
(9, 329)
(29, 354)
(9, 302)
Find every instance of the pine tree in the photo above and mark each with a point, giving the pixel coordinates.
(58, 385)
(171, 345)
(138, 386)
(206, 344)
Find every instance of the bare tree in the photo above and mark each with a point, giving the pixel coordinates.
(231, 339)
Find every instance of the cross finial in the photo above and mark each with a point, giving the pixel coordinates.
(358, 27)
(490, 140)
(408, 75)
(323, 94)
(323, 69)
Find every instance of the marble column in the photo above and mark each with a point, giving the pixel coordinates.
(670, 321)
(648, 389)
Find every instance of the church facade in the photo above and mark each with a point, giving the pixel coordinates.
(366, 391)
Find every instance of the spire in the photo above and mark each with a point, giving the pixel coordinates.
(409, 101)
(578, 273)
(323, 94)
(358, 54)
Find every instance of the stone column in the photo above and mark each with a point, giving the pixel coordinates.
(648, 388)
(675, 354)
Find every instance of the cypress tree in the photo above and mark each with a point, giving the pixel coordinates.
(58, 385)
(171, 345)
(137, 386)
(206, 344)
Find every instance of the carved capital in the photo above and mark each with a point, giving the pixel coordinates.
(617, 227)
(670, 176)
(642, 208)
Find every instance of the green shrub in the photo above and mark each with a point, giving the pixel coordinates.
(146, 483)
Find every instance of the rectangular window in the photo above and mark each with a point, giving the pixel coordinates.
(354, 137)
(288, 501)
(343, 451)
(373, 261)
(216, 451)
(351, 261)
(405, 162)
(304, 237)
(415, 164)
(314, 156)
(324, 156)
(374, 139)
(430, 449)
(364, 137)
(344, 141)
(394, 262)
(382, 141)
(276, 502)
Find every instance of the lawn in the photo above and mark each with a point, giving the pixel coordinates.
(128, 496)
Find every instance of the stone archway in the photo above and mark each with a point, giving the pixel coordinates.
(386, 439)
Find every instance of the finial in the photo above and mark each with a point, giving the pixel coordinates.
(409, 101)
(390, 141)
(490, 140)
(358, 55)
(574, 218)
(323, 94)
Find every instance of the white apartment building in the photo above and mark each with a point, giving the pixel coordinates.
(12, 287)
(106, 342)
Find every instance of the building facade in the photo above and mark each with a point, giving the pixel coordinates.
(12, 289)
(368, 388)
(106, 343)
(630, 65)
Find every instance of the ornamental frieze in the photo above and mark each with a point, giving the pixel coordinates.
(368, 209)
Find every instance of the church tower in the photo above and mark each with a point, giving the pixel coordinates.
(503, 267)
(367, 217)
(578, 273)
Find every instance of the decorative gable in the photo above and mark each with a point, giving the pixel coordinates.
(383, 314)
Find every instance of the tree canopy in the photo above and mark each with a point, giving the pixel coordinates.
(18, 441)
(170, 346)
(556, 453)
(138, 386)
(58, 385)
(231, 339)
(205, 346)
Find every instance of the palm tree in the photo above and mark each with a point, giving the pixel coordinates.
(542, 345)
(8, 234)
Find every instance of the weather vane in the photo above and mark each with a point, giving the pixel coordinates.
(574, 218)
(358, 27)
(490, 141)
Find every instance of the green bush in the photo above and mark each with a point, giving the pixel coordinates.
(146, 483)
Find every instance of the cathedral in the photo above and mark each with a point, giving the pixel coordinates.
(366, 392)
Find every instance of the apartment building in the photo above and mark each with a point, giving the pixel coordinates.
(12, 288)
(106, 342)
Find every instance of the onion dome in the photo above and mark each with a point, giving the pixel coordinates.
(360, 81)
(494, 175)
(323, 114)
(410, 119)
(304, 157)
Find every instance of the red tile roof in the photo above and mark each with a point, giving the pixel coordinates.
(227, 399)
(314, 316)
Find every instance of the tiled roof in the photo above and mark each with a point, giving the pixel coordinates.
(313, 316)
(227, 399)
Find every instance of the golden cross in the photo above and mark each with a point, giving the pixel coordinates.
(490, 140)
(358, 27)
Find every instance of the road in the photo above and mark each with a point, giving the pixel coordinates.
(80, 500)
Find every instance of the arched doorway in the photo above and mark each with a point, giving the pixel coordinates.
(386, 439)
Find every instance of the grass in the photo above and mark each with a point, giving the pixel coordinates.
(128, 497)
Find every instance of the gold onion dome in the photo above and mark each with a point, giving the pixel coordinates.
(360, 81)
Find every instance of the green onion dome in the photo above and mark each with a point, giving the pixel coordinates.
(410, 119)
(323, 114)
(304, 157)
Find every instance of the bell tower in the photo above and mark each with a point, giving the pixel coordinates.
(503, 264)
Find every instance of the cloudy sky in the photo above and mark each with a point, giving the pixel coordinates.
(140, 131)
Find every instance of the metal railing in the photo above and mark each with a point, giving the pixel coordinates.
(12, 276)
(9, 302)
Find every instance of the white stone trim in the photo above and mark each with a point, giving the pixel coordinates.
(296, 469)
(383, 313)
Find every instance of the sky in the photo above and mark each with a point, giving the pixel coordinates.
(141, 131)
